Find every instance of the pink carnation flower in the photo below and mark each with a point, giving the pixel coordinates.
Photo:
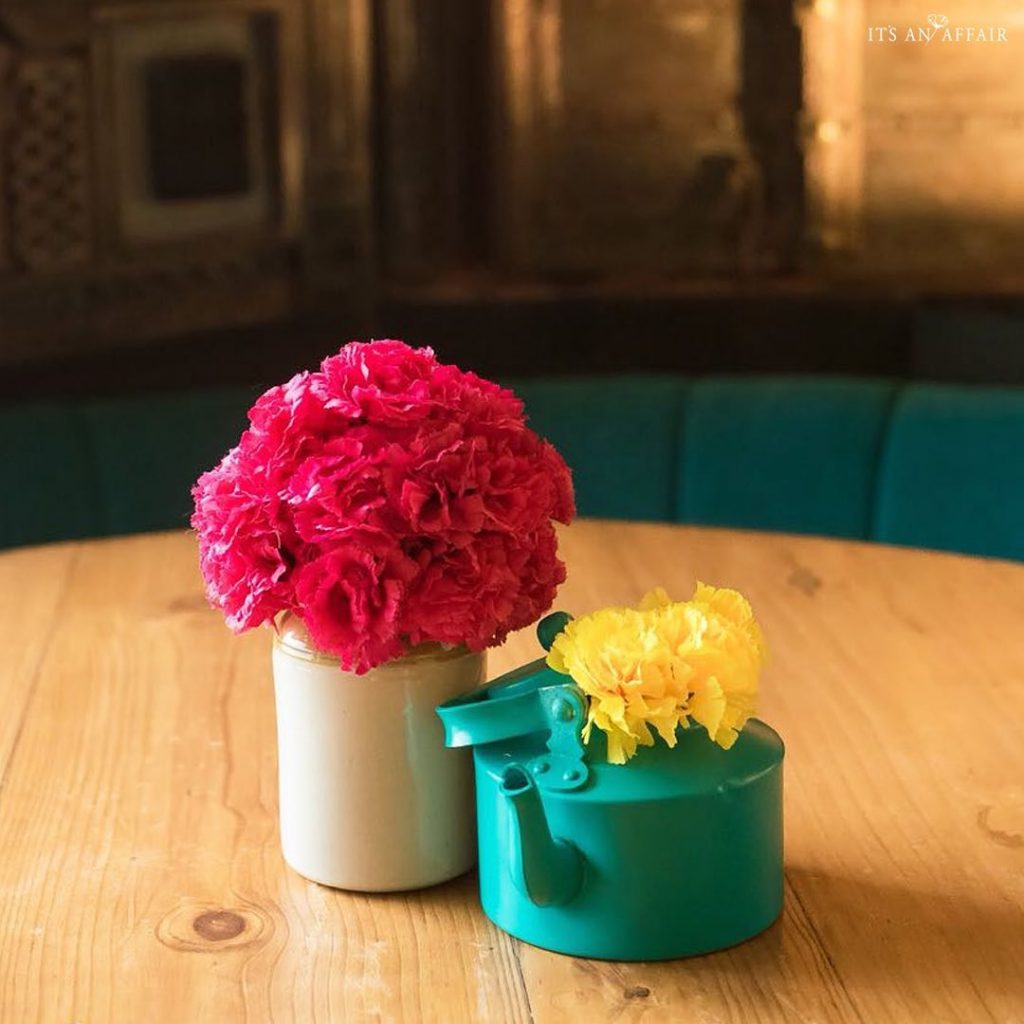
(387, 500)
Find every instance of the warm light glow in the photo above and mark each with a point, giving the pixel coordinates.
(825, 8)
(832, 239)
(829, 131)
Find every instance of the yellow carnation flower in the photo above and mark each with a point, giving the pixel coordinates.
(662, 663)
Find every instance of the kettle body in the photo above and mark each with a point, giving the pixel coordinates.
(676, 853)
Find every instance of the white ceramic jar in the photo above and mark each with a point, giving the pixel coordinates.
(370, 797)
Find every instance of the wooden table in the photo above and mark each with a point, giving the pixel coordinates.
(141, 879)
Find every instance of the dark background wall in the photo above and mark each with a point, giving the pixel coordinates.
(224, 195)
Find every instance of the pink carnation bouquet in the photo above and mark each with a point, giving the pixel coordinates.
(387, 500)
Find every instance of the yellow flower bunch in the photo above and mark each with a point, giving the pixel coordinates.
(662, 663)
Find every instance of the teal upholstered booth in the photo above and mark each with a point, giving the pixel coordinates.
(149, 451)
(919, 464)
(620, 436)
(112, 466)
(50, 486)
(928, 465)
(797, 455)
(952, 473)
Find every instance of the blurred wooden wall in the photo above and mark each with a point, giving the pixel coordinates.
(915, 149)
(446, 162)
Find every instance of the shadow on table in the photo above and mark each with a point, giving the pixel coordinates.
(464, 887)
(880, 935)
(843, 946)
(867, 931)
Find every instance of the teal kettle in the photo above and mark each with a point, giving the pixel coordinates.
(675, 853)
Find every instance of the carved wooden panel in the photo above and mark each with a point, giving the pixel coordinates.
(47, 156)
(433, 144)
(135, 305)
(46, 27)
(337, 238)
(916, 135)
(221, 79)
(6, 122)
(620, 140)
(183, 164)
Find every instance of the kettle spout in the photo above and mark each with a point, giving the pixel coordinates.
(546, 870)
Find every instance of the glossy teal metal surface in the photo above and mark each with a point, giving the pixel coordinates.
(675, 853)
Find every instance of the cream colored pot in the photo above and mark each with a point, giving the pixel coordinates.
(370, 797)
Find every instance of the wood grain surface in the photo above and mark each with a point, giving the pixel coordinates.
(141, 879)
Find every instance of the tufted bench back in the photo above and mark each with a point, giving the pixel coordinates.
(928, 465)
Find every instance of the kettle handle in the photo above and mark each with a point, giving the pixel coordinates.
(518, 705)
(533, 698)
(559, 709)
